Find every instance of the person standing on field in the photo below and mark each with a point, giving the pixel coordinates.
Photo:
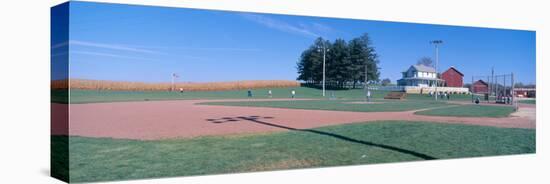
(368, 95)
(293, 93)
(249, 93)
(269, 94)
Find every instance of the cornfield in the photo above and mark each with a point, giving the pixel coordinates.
(59, 84)
(185, 86)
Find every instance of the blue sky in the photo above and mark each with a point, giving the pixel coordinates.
(143, 43)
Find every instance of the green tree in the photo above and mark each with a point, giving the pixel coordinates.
(304, 67)
(367, 56)
(386, 82)
(345, 62)
(338, 64)
(426, 61)
(310, 65)
(519, 85)
(357, 57)
(317, 59)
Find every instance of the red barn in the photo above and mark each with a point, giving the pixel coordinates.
(480, 86)
(452, 77)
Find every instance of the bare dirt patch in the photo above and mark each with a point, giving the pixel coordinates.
(526, 111)
(152, 120)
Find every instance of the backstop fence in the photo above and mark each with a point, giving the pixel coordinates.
(493, 89)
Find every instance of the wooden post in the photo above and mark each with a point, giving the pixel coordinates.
(512, 92)
(496, 87)
(472, 89)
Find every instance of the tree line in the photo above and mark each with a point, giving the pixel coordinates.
(344, 63)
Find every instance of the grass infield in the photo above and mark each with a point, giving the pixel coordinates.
(470, 111)
(102, 159)
(339, 105)
(528, 101)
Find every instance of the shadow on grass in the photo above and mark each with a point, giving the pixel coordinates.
(255, 119)
(59, 155)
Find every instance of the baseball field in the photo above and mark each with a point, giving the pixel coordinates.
(119, 135)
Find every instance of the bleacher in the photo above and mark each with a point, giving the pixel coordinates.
(397, 95)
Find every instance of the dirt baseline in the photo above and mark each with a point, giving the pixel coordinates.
(183, 119)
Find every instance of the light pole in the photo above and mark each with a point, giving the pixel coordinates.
(324, 61)
(174, 76)
(436, 43)
(367, 95)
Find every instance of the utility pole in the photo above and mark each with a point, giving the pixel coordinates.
(513, 91)
(174, 76)
(504, 84)
(367, 96)
(492, 81)
(496, 86)
(324, 63)
(172, 86)
(436, 43)
(472, 89)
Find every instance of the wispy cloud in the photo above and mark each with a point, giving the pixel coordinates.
(121, 50)
(120, 56)
(203, 48)
(224, 49)
(59, 54)
(321, 27)
(149, 49)
(109, 55)
(110, 46)
(309, 30)
(59, 45)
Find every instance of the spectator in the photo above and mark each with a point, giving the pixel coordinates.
(368, 95)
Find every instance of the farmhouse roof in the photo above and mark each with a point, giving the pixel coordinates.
(453, 68)
(421, 78)
(423, 68)
(480, 82)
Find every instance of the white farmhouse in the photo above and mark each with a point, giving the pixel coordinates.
(419, 75)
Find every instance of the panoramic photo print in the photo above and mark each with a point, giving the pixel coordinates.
(147, 92)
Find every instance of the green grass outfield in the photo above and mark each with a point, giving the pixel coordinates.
(102, 159)
(470, 111)
(441, 108)
(94, 96)
(528, 101)
(340, 105)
